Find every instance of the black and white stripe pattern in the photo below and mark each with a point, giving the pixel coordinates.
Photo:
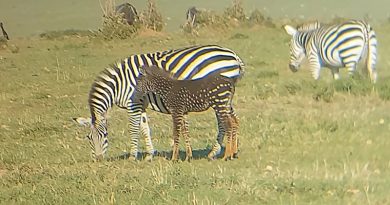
(116, 86)
(333, 46)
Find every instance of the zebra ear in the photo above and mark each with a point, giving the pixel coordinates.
(141, 70)
(290, 30)
(83, 121)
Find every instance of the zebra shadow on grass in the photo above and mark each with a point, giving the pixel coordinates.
(196, 155)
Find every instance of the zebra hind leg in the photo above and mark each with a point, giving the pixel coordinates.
(351, 69)
(335, 73)
(177, 120)
(235, 141)
(229, 148)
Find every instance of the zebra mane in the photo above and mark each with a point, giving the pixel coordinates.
(308, 26)
(156, 71)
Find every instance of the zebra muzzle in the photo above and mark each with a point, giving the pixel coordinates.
(293, 68)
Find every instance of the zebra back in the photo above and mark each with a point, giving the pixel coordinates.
(308, 26)
(116, 84)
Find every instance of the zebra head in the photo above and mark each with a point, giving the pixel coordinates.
(297, 50)
(98, 142)
(97, 137)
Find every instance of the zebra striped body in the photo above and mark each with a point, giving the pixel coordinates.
(184, 96)
(116, 86)
(333, 46)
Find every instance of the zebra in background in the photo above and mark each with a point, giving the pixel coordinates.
(129, 13)
(3, 30)
(333, 46)
(191, 16)
(116, 86)
(183, 96)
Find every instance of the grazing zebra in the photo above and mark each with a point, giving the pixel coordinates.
(333, 46)
(183, 96)
(116, 85)
(4, 32)
(129, 13)
(191, 16)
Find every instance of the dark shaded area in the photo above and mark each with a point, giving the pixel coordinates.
(196, 155)
(129, 13)
(5, 34)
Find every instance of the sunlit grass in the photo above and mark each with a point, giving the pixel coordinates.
(301, 141)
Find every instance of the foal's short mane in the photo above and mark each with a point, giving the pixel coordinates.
(156, 71)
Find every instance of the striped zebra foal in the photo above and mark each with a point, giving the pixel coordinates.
(183, 96)
(116, 86)
(333, 46)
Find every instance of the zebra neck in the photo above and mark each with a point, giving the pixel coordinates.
(304, 38)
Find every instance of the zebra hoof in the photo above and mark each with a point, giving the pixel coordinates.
(149, 158)
(188, 159)
(235, 156)
(226, 158)
(99, 158)
(132, 158)
(211, 157)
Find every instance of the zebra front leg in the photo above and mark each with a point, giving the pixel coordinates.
(145, 132)
(134, 112)
(315, 66)
(187, 139)
(177, 120)
(216, 147)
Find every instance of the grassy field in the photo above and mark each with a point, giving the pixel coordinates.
(302, 142)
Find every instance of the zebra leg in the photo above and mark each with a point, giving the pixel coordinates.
(216, 148)
(351, 66)
(371, 56)
(335, 73)
(228, 126)
(177, 120)
(187, 139)
(145, 132)
(235, 125)
(315, 66)
(134, 112)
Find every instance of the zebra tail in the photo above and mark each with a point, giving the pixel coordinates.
(242, 67)
(371, 56)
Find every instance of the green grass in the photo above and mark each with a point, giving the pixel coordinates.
(302, 141)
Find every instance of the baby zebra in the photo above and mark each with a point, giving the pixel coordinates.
(183, 96)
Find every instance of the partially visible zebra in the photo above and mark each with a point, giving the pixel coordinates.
(4, 32)
(116, 86)
(183, 96)
(191, 16)
(129, 13)
(333, 46)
